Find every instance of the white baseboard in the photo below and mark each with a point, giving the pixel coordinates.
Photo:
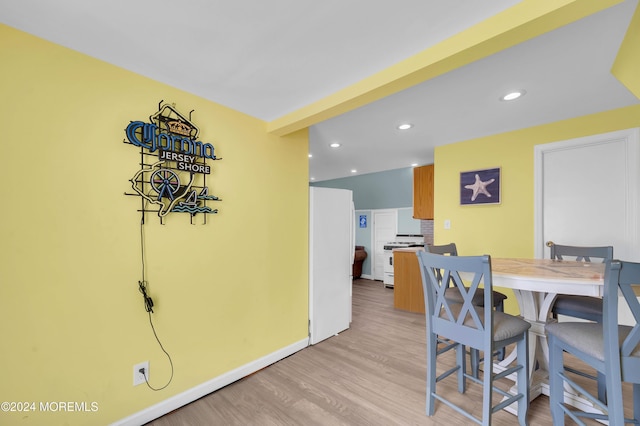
(177, 401)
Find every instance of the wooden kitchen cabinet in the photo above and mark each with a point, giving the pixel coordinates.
(423, 192)
(407, 287)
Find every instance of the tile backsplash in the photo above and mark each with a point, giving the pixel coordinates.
(426, 228)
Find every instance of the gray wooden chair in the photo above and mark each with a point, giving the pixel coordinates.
(469, 325)
(453, 294)
(612, 349)
(583, 307)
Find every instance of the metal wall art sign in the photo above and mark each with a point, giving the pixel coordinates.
(174, 165)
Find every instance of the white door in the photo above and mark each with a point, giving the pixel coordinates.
(385, 228)
(331, 252)
(587, 193)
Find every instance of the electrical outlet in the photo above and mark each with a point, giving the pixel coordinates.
(447, 224)
(138, 377)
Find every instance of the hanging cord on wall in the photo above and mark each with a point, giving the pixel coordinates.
(148, 306)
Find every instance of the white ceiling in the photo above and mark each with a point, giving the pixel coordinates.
(268, 58)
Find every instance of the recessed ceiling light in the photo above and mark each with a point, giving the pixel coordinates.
(414, 165)
(513, 95)
(405, 126)
(310, 155)
(335, 145)
(312, 178)
(354, 171)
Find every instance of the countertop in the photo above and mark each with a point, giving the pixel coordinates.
(409, 249)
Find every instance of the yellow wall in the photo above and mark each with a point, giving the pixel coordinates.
(71, 317)
(506, 229)
(626, 67)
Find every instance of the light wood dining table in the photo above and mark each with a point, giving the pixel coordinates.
(536, 283)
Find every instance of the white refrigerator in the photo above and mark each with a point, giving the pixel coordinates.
(331, 254)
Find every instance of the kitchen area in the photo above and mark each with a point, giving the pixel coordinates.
(387, 233)
(393, 210)
(401, 268)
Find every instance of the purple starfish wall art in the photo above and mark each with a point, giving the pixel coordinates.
(480, 187)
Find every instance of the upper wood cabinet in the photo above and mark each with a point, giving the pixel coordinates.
(423, 192)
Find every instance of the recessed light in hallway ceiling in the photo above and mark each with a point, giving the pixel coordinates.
(512, 96)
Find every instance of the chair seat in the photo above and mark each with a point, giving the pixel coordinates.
(505, 326)
(453, 295)
(587, 337)
(585, 304)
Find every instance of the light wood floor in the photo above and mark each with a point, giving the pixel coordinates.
(371, 374)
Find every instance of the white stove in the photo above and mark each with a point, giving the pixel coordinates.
(402, 240)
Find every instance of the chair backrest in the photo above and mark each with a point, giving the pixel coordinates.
(620, 277)
(444, 249)
(469, 324)
(580, 253)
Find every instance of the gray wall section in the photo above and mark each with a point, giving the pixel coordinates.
(392, 189)
(383, 190)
